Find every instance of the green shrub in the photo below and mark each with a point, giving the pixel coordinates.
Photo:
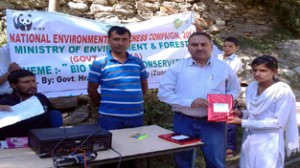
(289, 15)
(294, 20)
(157, 112)
(3, 39)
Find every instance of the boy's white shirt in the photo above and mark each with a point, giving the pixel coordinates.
(233, 60)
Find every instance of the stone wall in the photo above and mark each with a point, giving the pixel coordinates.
(215, 16)
(250, 19)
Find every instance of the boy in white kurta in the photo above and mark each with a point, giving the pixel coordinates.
(269, 120)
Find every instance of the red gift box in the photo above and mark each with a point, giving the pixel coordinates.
(219, 107)
(179, 138)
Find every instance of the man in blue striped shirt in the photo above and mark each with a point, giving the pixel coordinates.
(123, 81)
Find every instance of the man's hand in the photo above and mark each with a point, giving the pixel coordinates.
(13, 66)
(199, 102)
(5, 108)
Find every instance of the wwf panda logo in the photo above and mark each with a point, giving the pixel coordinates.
(23, 22)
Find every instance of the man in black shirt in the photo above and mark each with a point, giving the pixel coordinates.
(24, 86)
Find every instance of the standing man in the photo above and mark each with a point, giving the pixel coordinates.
(5, 68)
(123, 81)
(185, 87)
(24, 86)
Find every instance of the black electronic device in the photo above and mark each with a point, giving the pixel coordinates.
(64, 140)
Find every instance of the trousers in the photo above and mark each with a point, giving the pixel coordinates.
(211, 133)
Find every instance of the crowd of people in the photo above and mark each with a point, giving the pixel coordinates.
(269, 120)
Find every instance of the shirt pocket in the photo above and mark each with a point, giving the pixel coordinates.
(217, 84)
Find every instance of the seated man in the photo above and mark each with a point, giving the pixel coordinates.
(24, 86)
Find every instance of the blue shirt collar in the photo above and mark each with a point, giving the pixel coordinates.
(110, 57)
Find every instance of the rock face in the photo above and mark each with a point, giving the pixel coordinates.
(222, 17)
(249, 19)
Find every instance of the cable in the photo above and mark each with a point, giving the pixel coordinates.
(76, 157)
(84, 152)
(65, 161)
(120, 157)
(87, 138)
(53, 151)
(79, 157)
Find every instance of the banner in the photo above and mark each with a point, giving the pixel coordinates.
(59, 48)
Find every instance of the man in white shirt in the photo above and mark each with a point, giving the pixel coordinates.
(185, 87)
(5, 68)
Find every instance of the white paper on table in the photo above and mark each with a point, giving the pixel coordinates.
(22, 111)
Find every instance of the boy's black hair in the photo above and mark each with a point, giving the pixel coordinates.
(14, 76)
(234, 40)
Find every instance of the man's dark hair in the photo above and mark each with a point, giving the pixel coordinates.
(233, 40)
(14, 76)
(119, 30)
(200, 34)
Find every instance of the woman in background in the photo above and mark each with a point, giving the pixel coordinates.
(269, 120)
